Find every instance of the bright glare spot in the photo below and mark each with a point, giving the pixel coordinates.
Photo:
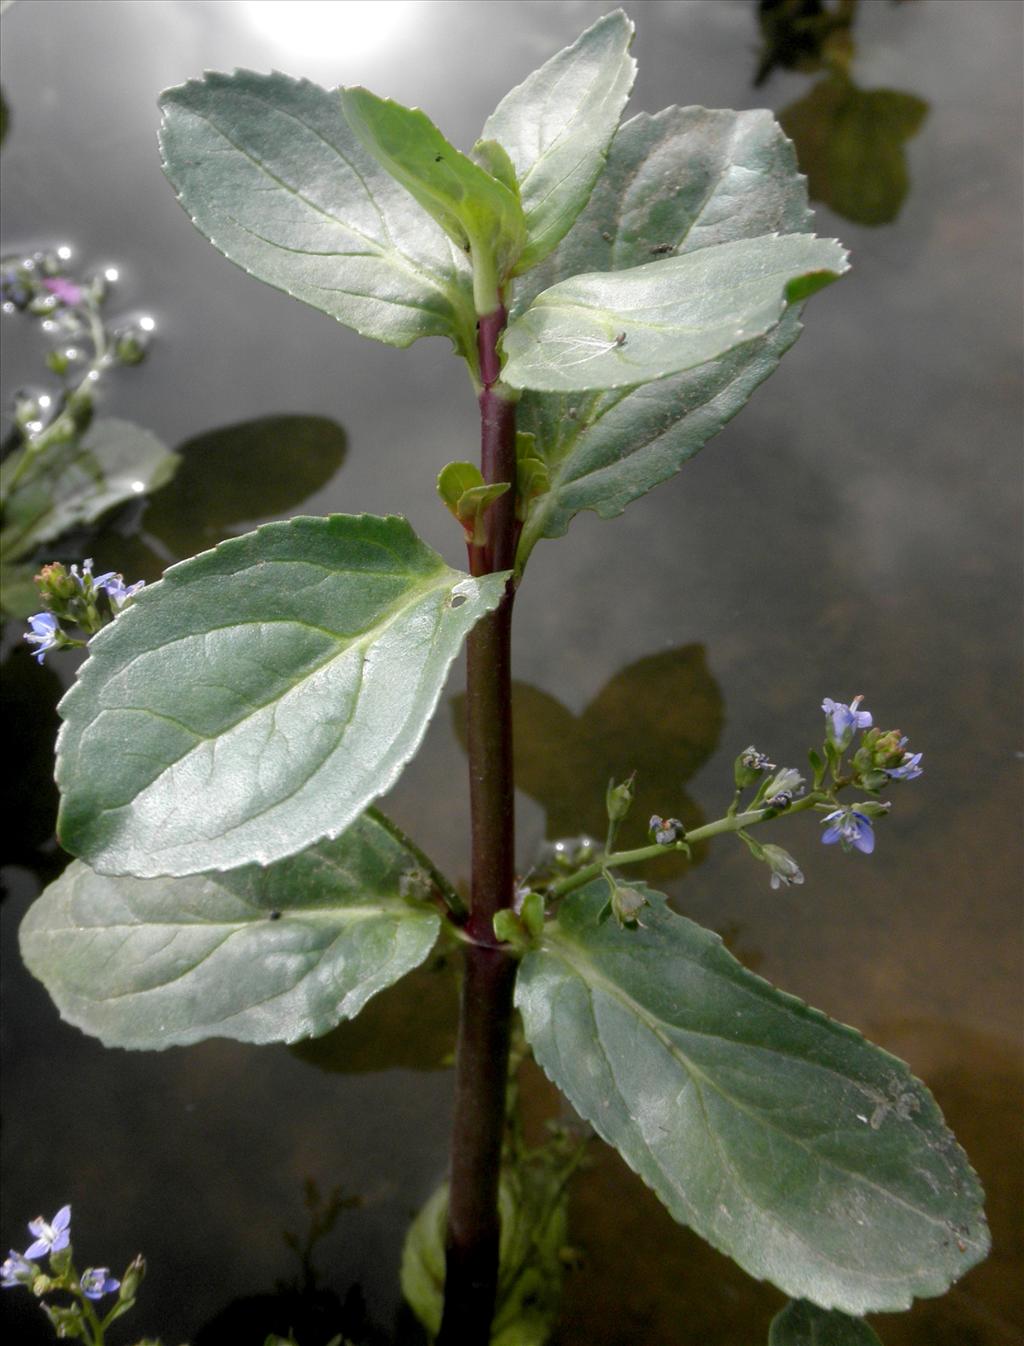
(64, 252)
(322, 27)
(146, 323)
(138, 487)
(48, 325)
(45, 399)
(71, 353)
(93, 375)
(33, 427)
(111, 274)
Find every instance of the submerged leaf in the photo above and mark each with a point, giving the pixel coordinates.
(557, 126)
(271, 173)
(259, 954)
(260, 696)
(812, 1158)
(804, 1324)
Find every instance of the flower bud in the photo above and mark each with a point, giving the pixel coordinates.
(55, 585)
(627, 904)
(784, 868)
(619, 798)
(132, 1279)
(131, 346)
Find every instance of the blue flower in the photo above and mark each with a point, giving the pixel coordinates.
(118, 592)
(16, 1270)
(87, 581)
(97, 1282)
(50, 1238)
(844, 720)
(45, 633)
(851, 828)
(909, 767)
(666, 831)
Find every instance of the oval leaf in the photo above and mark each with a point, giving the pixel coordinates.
(804, 1324)
(260, 696)
(620, 329)
(685, 179)
(270, 172)
(812, 1158)
(557, 126)
(259, 955)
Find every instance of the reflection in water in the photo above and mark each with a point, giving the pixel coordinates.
(243, 473)
(849, 141)
(660, 717)
(410, 1026)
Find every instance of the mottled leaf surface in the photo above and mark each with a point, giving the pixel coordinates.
(604, 330)
(260, 696)
(271, 173)
(812, 1158)
(259, 955)
(686, 179)
(557, 126)
(803, 1324)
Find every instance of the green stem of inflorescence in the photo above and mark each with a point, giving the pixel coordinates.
(730, 823)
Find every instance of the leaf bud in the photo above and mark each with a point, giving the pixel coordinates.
(509, 929)
(531, 914)
(619, 798)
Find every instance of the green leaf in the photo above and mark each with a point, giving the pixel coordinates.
(685, 179)
(260, 696)
(620, 329)
(557, 126)
(850, 144)
(464, 492)
(804, 1324)
(259, 954)
(479, 213)
(270, 172)
(812, 1158)
(76, 483)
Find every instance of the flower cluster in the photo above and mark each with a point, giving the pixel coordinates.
(77, 597)
(879, 758)
(52, 1238)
